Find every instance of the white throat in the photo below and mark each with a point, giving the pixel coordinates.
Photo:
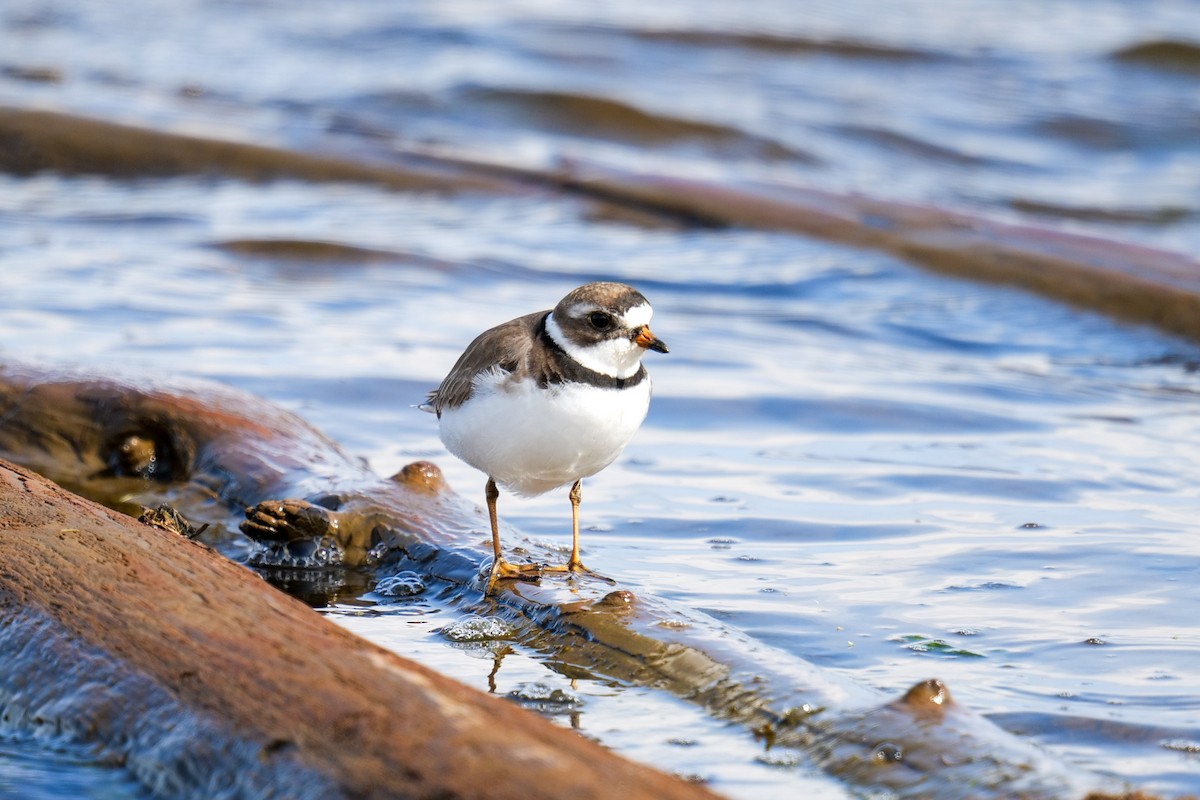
(616, 358)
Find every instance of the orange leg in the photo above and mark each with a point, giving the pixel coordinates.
(576, 495)
(575, 564)
(500, 567)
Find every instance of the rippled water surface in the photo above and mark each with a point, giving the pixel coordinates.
(893, 475)
(28, 772)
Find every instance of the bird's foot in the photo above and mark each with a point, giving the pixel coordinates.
(577, 568)
(506, 570)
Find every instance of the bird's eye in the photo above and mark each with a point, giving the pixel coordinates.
(600, 321)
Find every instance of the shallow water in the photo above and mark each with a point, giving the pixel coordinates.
(29, 771)
(890, 474)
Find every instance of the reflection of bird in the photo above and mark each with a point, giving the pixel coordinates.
(548, 399)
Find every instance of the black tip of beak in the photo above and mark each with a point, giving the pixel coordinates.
(644, 337)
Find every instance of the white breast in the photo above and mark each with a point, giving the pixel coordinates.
(531, 440)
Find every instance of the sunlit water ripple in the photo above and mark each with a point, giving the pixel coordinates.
(889, 474)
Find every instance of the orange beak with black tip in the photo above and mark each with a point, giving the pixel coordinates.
(646, 338)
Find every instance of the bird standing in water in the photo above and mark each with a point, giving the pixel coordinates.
(549, 399)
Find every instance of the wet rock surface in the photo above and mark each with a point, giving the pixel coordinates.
(205, 681)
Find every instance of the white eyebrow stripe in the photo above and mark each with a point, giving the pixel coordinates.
(637, 316)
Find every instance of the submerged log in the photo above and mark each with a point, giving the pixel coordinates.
(1131, 282)
(203, 681)
(36, 141)
(222, 450)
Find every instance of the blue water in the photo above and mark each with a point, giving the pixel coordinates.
(29, 771)
(891, 474)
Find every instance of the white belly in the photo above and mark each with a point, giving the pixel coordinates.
(532, 440)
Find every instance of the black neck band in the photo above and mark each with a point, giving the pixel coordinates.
(561, 368)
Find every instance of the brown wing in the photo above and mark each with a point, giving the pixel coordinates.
(505, 347)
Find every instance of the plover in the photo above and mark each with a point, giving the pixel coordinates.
(549, 399)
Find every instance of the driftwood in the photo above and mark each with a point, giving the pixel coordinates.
(205, 682)
(211, 451)
(35, 141)
(1131, 282)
